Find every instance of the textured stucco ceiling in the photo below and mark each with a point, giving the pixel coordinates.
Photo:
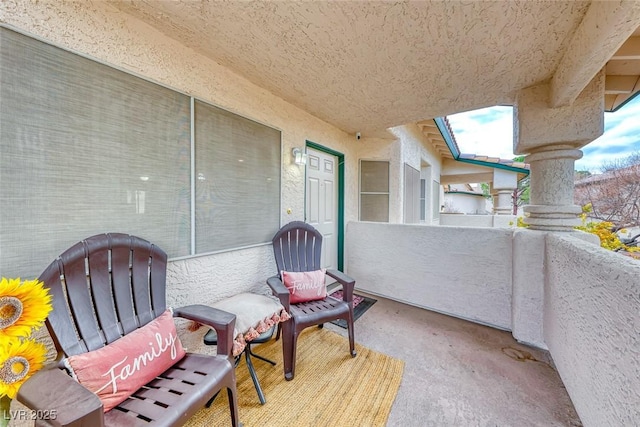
(366, 66)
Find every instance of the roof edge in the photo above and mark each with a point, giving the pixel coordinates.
(447, 134)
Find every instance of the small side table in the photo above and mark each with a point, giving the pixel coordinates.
(212, 339)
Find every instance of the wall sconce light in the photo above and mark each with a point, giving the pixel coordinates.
(299, 157)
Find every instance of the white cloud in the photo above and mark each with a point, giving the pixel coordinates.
(489, 131)
(621, 138)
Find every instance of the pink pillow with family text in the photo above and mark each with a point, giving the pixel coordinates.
(305, 286)
(119, 369)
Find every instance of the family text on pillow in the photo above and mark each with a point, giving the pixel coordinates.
(305, 286)
(119, 369)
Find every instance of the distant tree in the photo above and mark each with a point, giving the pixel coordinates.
(614, 194)
(520, 195)
(486, 189)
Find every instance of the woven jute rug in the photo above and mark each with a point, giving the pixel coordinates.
(330, 387)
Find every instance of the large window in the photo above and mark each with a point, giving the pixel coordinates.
(238, 180)
(374, 191)
(86, 149)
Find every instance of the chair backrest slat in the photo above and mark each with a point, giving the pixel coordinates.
(80, 299)
(140, 277)
(277, 252)
(303, 262)
(103, 288)
(297, 247)
(158, 277)
(100, 279)
(121, 279)
(286, 250)
(293, 249)
(61, 328)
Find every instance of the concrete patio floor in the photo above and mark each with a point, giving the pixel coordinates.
(459, 373)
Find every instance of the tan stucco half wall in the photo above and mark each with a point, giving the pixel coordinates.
(592, 328)
(461, 271)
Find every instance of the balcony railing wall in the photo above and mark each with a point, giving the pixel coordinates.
(466, 220)
(555, 290)
(462, 271)
(592, 329)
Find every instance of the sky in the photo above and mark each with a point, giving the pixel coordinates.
(489, 131)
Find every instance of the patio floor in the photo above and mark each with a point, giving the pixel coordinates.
(458, 373)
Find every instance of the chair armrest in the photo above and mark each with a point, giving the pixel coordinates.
(279, 290)
(223, 322)
(347, 283)
(55, 395)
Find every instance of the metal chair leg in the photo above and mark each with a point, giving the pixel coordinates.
(260, 357)
(254, 377)
(208, 405)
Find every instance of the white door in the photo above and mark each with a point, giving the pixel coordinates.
(322, 202)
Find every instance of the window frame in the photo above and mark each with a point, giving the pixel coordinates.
(381, 193)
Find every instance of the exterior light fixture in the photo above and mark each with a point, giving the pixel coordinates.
(299, 156)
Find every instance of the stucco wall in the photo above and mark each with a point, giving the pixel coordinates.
(101, 32)
(592, 329)
(417, 152)
(410, 146)
(465, 203)
(96, 30)
(462, 271)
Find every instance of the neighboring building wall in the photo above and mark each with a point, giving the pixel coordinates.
(464, 272)
(465, 203)
(415, 150)
(410, 147)
(592, 328)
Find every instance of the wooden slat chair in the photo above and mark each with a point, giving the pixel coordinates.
(104, 288)
(297, 247)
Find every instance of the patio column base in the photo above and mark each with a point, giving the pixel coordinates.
(552, 218)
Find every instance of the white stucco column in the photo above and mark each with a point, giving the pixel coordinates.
(502, 202)
(551, 138)
(551, 193)
(503, 185)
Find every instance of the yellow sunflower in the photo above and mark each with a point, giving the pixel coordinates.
(19, 359)
(23, 306)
